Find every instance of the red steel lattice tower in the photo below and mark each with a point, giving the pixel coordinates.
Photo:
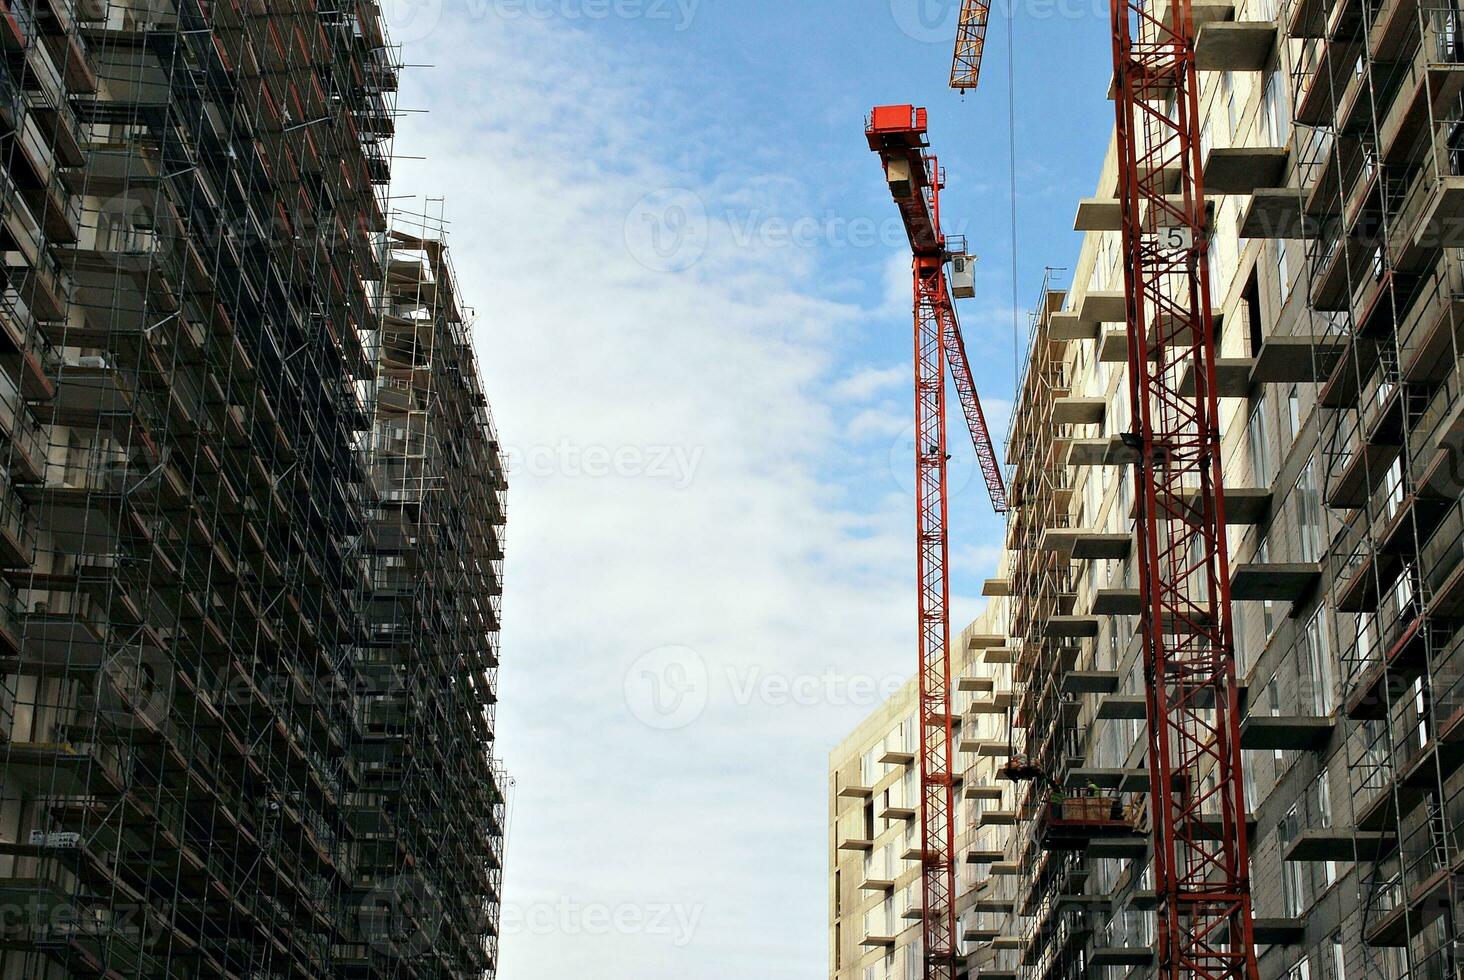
(898, 134)
(1202, 879)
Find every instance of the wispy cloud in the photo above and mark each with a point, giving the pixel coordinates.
(675, 399)
(867, 382)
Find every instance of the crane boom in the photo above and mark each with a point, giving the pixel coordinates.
(965, 387)
(898, 135)
(970, 43)
(1205, 916)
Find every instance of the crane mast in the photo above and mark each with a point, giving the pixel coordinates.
(898, 135)
(1205, 921)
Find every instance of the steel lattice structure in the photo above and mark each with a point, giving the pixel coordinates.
(898, 134)
(1201, 878)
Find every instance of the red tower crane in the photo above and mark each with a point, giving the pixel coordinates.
(898, 135)
(1202, 879)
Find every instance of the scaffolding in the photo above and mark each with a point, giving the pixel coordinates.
(251, 519)
(1384, 202)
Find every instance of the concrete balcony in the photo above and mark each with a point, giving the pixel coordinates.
(1067, 325)
(1306, 18)
(1318, 844)
(1113, 347)
(997, 587)
(1273, 581)
(1361, 472)
(1120, 956)
(1098, 214)
(17, 530)
(1103, 306)
(1264, 732)
(1243, 170)
(1294, 360)
(1431, 329)
(1122, 707)
(1276, 213)
(1074, 410)
(1090, 682)
(1078, 544)
(897, 757)
(1116, 602)
(28, 441)
(1232, 377)
(1279, 932)
(1434, 79)
(1070, 627)
(1244, 506)
(1235, 45)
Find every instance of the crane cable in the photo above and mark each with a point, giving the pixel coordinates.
(1016, 329)
(1012, 174)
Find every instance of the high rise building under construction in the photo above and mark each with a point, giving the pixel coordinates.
(1332, 144)
(251, 511)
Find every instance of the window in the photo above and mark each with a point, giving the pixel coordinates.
(1308, 514)
(1260, 449)
(1322, 791)
(1227, 91)
(1276, 112)
(1293, 883)
(915, 959)
(870, 768)
(1283, 274)
(1293, 414)
(1393, 488)
(1268, 606)
(1339, 959)
(1318, 662)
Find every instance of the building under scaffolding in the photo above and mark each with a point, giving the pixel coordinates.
(251, 512)
(1333, 148)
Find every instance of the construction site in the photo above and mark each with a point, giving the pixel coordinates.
(1211, 723)
(252, 511)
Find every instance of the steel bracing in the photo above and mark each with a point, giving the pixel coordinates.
(898, 134)
(1202, 879)
(252, 509)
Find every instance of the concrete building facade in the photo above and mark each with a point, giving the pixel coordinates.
(1331, 147)
(251, 512)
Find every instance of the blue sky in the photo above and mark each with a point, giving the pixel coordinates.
(693, 317)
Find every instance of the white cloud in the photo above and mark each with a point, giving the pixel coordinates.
(870, 381)
(548, 142)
